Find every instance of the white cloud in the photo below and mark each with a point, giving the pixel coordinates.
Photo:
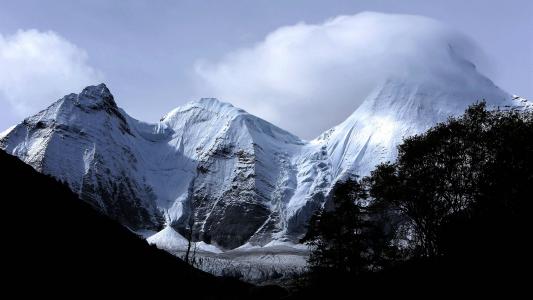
(37, 68)
(307, 78)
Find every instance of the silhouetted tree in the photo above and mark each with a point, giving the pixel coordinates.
(344, 236)
(458, 172)
(189, 237)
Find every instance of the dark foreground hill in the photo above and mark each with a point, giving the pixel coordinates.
(54, 243)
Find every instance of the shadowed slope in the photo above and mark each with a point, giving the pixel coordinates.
(58, 244)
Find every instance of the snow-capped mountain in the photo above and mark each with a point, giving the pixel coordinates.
(396, 108)
(86, 141)
(239, 179)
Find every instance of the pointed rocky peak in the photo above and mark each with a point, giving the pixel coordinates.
(99, 90)
(96, 96)
(88, 109)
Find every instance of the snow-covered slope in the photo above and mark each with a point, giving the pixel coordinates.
(237, 178)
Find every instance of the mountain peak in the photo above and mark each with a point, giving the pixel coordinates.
(96, 95)
(210, 101)
(212, 105)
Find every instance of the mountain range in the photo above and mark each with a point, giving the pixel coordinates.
(239, 180)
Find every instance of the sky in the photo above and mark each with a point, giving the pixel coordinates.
(269, 57)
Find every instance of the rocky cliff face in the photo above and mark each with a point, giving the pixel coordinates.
(235, 159)
(235, 177)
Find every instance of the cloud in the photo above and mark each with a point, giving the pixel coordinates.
(37, 68)
(307, 78)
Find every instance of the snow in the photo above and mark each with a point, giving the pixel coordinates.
(170, 240)
(221, 156)
(203, 246)
(286, 244)
(522, 103)
(7, 131)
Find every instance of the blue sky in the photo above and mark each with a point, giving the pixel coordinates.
(148, 51)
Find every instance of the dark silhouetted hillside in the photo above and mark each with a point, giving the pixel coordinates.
(54, 243)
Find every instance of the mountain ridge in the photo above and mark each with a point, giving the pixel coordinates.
(237, 178)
